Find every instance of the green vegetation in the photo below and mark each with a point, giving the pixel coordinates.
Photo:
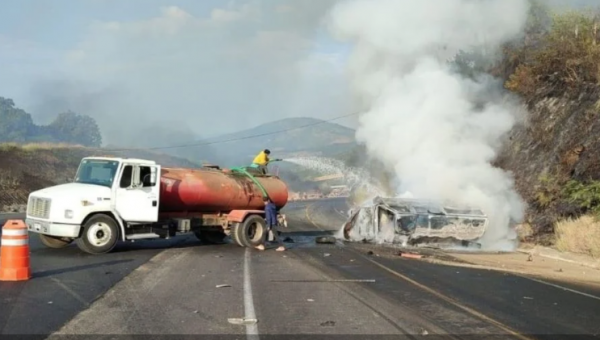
(16, 125)
(585, 196)
(547, 191)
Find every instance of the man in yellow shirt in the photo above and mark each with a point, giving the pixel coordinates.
(262, 160)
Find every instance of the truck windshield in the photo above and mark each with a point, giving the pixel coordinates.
(96, 171)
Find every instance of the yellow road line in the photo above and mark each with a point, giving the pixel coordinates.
(448, 299)
(310, 219)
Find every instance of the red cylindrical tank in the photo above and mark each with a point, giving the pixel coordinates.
(212, 190)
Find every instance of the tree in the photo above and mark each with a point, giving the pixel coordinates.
(15, 124)
(70, 127)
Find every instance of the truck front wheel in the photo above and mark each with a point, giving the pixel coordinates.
(100, 235)
(55, 242)
(251, 232)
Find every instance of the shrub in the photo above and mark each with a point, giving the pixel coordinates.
(585, 195)
(581, 235)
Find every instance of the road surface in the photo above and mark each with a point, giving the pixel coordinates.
(66, 281)
(308, 290)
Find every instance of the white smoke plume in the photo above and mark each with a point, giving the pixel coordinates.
(438, 130)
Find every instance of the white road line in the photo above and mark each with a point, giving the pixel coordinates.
(563, 288)
(251, 330)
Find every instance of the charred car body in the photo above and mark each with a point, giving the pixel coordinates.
(415, 222)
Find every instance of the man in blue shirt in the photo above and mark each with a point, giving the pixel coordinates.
(271, 219)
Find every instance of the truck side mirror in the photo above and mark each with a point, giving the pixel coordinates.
(152, 175)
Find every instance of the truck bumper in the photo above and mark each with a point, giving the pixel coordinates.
(53, 229)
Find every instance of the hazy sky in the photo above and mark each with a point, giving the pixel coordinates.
(196, 67)
(199, 67)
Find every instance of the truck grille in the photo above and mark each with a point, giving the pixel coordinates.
(39, 207)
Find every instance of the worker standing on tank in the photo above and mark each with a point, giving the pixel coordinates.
(262, 160)
(271, 219)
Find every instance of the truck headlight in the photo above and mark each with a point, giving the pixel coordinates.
(69, 214)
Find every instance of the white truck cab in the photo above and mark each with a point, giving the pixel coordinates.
(92, 209)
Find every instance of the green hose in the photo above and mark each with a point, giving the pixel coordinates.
(245, 172)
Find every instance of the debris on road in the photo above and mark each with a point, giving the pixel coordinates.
(242, 321)
(410, 255)
(527, 298)
(223, 286)
(310, 300)
(326, 254)
(325, 240)
(328, 324)
(530, 258)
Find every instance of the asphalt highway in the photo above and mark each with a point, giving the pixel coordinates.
(183, 287)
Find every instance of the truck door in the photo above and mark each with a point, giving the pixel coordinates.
(137, 193)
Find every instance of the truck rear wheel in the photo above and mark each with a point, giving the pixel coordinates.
(251, 232)
(234, 234)
(100, 235)
(55, 242)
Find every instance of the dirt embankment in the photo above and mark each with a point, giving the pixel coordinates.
(558, 146)
(26, 168)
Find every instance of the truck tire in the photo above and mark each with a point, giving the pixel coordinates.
(251, 232)
(235, 229)
(100, 235)
(211, 237)
(55, 242)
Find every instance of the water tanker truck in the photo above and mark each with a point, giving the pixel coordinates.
(124, 199)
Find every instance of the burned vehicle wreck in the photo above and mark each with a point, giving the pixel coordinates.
(415, 222)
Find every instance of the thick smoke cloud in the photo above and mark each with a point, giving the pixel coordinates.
(438, 130)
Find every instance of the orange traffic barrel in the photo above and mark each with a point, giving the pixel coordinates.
(14, 252)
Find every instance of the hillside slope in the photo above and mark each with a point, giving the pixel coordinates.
(25, 168)
(554, 155)
(300, 136)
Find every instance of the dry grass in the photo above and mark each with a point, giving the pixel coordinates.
(568, 56)
(581, 235)
(8, 181)
(38, 146)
